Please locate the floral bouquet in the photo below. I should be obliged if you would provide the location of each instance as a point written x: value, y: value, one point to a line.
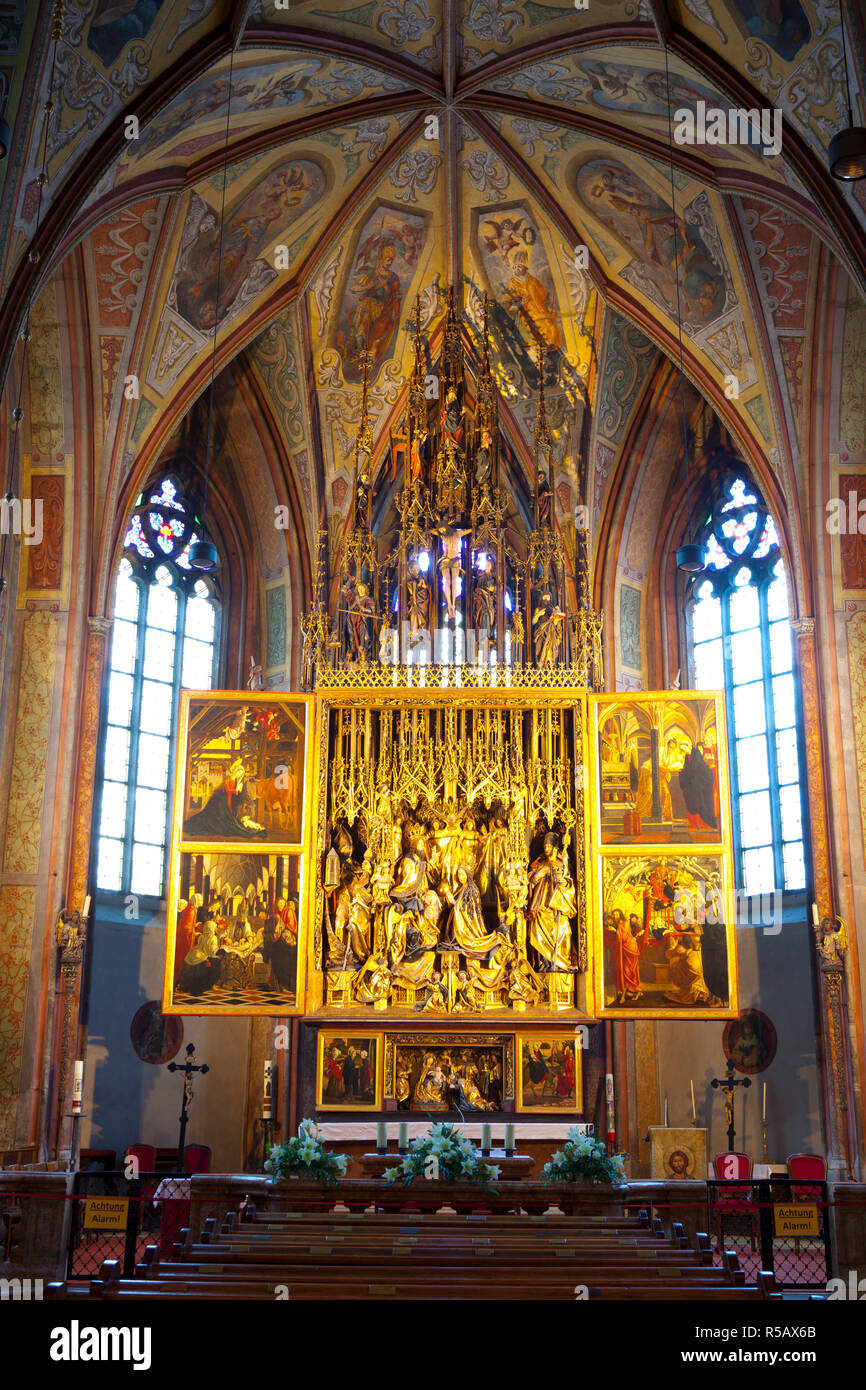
x: 584, y: 1159
x: 305, y: 1153
x: 444, y: 1155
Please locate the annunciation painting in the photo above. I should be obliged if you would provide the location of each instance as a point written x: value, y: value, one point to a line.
x: 233, y: 933
x: 441, y: 1072
x: 348, y: 1072
x: 666, y: 945
x: 242, y: 770
x: 662, y: 770
x: 548, y: 1073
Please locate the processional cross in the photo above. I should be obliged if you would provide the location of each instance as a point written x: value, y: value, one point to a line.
x: 729, y: 1085
x: 188, y: 1068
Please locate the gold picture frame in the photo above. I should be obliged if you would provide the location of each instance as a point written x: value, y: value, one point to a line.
x: 247, y: 956
x: 552, y: 1062
x: 660, y: 808
x: 334, y: 1091
x: 666, y: 935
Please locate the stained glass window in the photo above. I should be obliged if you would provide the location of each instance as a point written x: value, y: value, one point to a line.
x: 740, y: 641
x: 164, y: 636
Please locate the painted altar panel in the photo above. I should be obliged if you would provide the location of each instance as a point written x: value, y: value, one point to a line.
x: 664, y: 908
x: 661, y: 768
x: 348, y: 1070
x: 237, y: 898
x: 549, y: 1073
x: 244, y: 761
x: 665, y: 935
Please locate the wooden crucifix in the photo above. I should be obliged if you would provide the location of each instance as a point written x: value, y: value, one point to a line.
x: 729, y: 1085
x: 188, y: 1068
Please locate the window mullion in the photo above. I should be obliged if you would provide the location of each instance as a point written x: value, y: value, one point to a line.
x: 733, y: 770
x: 134, y: 733
x: 772, y: 763
x: 177, y: 676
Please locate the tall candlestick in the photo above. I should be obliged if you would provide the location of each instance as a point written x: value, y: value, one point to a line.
x: 77, y: 1087
x: 694, y: 1111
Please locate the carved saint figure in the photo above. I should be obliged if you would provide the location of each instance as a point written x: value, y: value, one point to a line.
x: 547, y: 621
x: 465, y: 922
x: 551, y: 907
x: 360, y: 606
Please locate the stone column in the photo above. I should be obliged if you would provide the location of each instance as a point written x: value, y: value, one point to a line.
x: 72, y: 955
x: 832, y: 999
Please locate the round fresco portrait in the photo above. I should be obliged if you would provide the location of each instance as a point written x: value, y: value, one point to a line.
x: 155, y: 1036
x: 750, y: 1042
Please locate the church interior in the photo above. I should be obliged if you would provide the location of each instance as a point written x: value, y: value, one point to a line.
x: 433, y: 640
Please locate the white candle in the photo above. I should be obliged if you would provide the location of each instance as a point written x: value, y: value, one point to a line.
x: 86, y: 909
x: 403, y: 1136
x: 666, y: 1112
x: 266, y: 1099
x: 509, y: 1138
x: 77, y: 1087
x: 764, y: 1111
x: 381, y: 1136
x: 486, y: 1133
x: 694, y: 1111
x: 815, y: 922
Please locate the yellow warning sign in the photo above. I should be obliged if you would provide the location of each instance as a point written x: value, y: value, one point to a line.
x: 105, y: 1213
x: 796, y: 1218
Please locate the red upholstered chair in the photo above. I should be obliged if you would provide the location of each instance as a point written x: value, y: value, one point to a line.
x: 738, y: 1201
x: 808, y: 1166
x: 145, y: 1155
x: 812, y: 1166
x: 196, y: 1158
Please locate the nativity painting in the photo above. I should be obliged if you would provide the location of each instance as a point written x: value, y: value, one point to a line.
x: 243, y: 770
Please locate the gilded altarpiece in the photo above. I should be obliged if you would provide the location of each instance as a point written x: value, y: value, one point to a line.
x: 451, y: 842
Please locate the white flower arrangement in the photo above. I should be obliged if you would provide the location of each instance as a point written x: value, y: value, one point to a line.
x: 584, y: 1159
x: 305, y: 1152
x: 444, y: 1155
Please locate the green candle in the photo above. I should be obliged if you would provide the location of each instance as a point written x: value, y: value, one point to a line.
x: 486, y: 1132
x: 381, y: 1136
x: 403, y: 1136
x: 509, y: 1138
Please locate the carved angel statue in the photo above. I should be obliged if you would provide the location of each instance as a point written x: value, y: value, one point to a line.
x: 832, y: 941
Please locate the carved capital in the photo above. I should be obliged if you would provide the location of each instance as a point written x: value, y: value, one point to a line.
x: 803, y: 627
x: 100, y: 627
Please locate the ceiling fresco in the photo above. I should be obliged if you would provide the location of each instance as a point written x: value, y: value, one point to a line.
x: 378, y: 155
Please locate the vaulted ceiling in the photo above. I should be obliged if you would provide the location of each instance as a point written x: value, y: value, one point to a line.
x: 380, y: 152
